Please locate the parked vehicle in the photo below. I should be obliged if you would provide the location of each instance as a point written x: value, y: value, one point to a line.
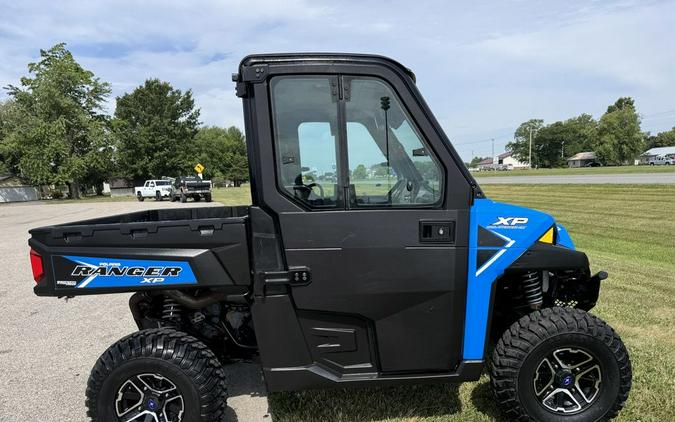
x: 661, y: 160
x: 158, y: 189
x: 350, y: 283
x: 594, y: 164
x: 185, y: 187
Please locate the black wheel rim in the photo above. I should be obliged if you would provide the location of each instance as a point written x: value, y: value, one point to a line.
x: 149, y: 398
x: 567, y: 381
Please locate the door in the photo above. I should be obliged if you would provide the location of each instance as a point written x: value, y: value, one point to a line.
x: 372, y: 222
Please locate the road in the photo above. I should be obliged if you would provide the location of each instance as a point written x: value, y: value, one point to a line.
x: 637, y: 178
x: 48, y: 346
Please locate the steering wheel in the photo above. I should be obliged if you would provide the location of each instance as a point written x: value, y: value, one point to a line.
x: 305, y: 190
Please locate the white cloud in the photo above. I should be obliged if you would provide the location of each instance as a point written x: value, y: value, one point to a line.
x: 484, y: 67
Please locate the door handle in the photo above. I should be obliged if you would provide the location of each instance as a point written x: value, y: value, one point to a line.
x: 437, y: 231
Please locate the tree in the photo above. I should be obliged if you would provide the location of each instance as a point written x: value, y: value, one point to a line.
x: 620, y: 139
x: 8, y: 156
x: 222, y: 152
x: 621, y: 103
x: 549, y: 144
x: 520, y: 146
x: 56, y: 131
x: 582, y: 134
x: 359, y: 172
x: 475, y: 160
x: 553, y: 143
x: 662, y: 139
x: 155, y: 126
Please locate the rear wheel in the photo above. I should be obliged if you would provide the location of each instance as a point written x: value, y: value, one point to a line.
x: 560, y: 364
x: 197, y: 198
x: 207, y: 197
x: 157, y: 375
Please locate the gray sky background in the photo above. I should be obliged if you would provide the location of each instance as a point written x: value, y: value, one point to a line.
x: 483, y: 67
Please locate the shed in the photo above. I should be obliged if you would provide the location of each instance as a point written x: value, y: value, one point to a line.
x: 14, y: 188
x: 582, y: 159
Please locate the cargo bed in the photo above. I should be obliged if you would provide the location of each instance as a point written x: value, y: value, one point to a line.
x: 155, y: 249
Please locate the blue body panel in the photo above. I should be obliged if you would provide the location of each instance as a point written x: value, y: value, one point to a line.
x: 519, y: 228
x: 97, y: 272
x: 563, y: 237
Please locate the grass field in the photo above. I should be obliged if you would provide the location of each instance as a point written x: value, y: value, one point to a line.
x: 573, y: 171
x: 628, y: 231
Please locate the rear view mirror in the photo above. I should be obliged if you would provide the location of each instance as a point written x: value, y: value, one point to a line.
x: 419, y: 152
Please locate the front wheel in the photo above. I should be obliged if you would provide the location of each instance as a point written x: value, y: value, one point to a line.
x: 560, y: 364
x: 139, y: 197
x: 207, y: 197
x: 157, y: 375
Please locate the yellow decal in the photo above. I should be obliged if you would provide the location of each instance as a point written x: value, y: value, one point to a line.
x: 547, y: 237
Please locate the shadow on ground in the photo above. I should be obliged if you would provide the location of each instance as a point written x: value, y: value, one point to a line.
x: 366, y: 404
x: 483, y: 399
x: 247, y: 395
x: 249, y: 401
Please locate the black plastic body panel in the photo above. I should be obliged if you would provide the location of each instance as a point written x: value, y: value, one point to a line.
x: 544, y: 256
x: 213, y: 240
x: 317, y: 377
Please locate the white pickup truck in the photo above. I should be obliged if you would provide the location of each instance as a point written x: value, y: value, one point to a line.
x: 661, y: 160
x: 158, y: 189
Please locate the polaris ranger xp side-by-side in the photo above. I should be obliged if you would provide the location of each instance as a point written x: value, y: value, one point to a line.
x: 369, y: 257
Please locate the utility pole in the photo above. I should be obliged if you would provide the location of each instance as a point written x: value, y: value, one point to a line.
x: 530, y: 156
x: 493, y: 150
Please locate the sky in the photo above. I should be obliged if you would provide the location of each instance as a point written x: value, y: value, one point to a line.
x: 483, y: 67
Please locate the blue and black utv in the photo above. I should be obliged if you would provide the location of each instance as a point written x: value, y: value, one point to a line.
x: 369, y: 257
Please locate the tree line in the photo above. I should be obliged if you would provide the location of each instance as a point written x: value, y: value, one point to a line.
x: 54, y: 130
x: 616, y: 138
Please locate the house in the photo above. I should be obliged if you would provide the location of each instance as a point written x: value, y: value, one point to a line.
x: 509, y: 162
x: 656, y: 152
x: 487, y: 164
x: 16, y: 189
x: 582, y: 159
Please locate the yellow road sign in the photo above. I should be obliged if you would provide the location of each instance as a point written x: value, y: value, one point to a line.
x: 199, y: 168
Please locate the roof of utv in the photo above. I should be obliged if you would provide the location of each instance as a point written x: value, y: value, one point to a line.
x: 346, y: 58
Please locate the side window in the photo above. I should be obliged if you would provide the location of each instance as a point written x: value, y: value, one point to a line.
x: 151, y: 185
x: 305, y: 122
x: 389, y: 162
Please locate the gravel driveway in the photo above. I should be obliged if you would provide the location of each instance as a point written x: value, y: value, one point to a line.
x: 48, y: 345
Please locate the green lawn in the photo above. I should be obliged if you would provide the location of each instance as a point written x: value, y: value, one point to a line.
x: 233, y: 196
x: 628, y: 231
x: 583, y: 170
